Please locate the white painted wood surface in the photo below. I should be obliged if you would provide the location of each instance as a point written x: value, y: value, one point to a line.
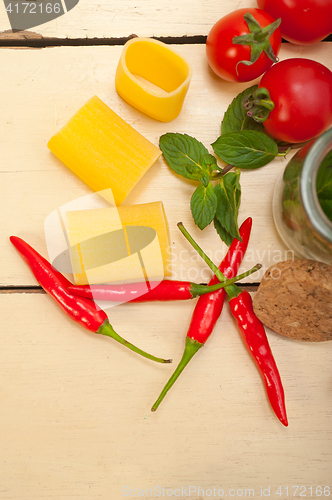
x: 117, y: 19
x: 45, y: 87
x: 75, y: 421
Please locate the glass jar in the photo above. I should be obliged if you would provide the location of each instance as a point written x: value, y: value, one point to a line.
x: 297, y: 213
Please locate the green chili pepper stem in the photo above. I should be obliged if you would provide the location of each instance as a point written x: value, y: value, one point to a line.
x: 197, y: 290
x: 192, y: 346
x: 107, y: 329
x: 258, y: 39
x: 201, y: 252
x: 231, y: 290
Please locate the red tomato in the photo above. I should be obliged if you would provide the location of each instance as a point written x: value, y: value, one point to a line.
x: 301, y: 90
x: 302, y: 21
x: 223, y: 55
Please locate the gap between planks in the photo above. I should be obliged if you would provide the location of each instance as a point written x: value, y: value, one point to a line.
x: 30, y: 39
x: 250, y: 287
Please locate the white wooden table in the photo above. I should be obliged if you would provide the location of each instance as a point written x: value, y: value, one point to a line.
x: 75, y: 420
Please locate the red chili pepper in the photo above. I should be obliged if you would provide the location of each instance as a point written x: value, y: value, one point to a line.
x: 165, y: 290
x: 254, y: 336
x: 81, y: 310
x: 137, y: 292
x: 209, y: 307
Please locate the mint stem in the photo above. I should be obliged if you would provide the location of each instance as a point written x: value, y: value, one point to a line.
x: 286, y: 147
x: 221, y: 173
x: 226, y: 169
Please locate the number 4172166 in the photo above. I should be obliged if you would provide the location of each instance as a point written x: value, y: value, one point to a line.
x: 33, y: 8
x: 304, y: 491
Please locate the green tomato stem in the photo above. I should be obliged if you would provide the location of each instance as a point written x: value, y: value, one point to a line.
x: 259, y: 104
x: 258, y: 39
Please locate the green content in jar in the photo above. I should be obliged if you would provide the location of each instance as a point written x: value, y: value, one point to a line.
x: 324, y: 185
x: 302, y: 201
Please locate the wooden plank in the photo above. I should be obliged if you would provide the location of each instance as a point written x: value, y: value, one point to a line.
x: 115, y: 19
x: 76, y: 420
x: 45, y: 87
x: 41, y: 89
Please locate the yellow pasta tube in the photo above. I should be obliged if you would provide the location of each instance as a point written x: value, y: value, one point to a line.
x: 118, y: 244
x: 104, y: 150
x: 153, y: 78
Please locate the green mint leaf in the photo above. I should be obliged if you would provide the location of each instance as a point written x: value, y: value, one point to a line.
x: 324, y: 185
x: 203, y: 205
x: 292, y: 172
x: 291, y: 214
x: 209, y: 163
x: 233, y: 178
x: 324, y: 179
x: 182, y: 152
x: 327, y: 208
x: 236, y: 118
x: 224, y: 235
x: 246, y: 149
x: 205, y: 179
x: 228, y: 194
x: 193, y: 171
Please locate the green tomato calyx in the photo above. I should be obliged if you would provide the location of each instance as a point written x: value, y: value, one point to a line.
x: 258, y: 38
x: 258, y: 105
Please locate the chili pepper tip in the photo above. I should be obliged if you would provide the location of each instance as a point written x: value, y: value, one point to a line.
x: 191, y: 347
x: 284, y: 421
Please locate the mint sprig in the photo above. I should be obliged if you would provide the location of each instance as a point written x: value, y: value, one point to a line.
x: 242, y: 145
x: 188, y: 157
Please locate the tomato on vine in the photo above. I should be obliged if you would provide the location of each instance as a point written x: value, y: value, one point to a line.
x: 242, y: 45
x: 293, y: 100
x: 302, y: 21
